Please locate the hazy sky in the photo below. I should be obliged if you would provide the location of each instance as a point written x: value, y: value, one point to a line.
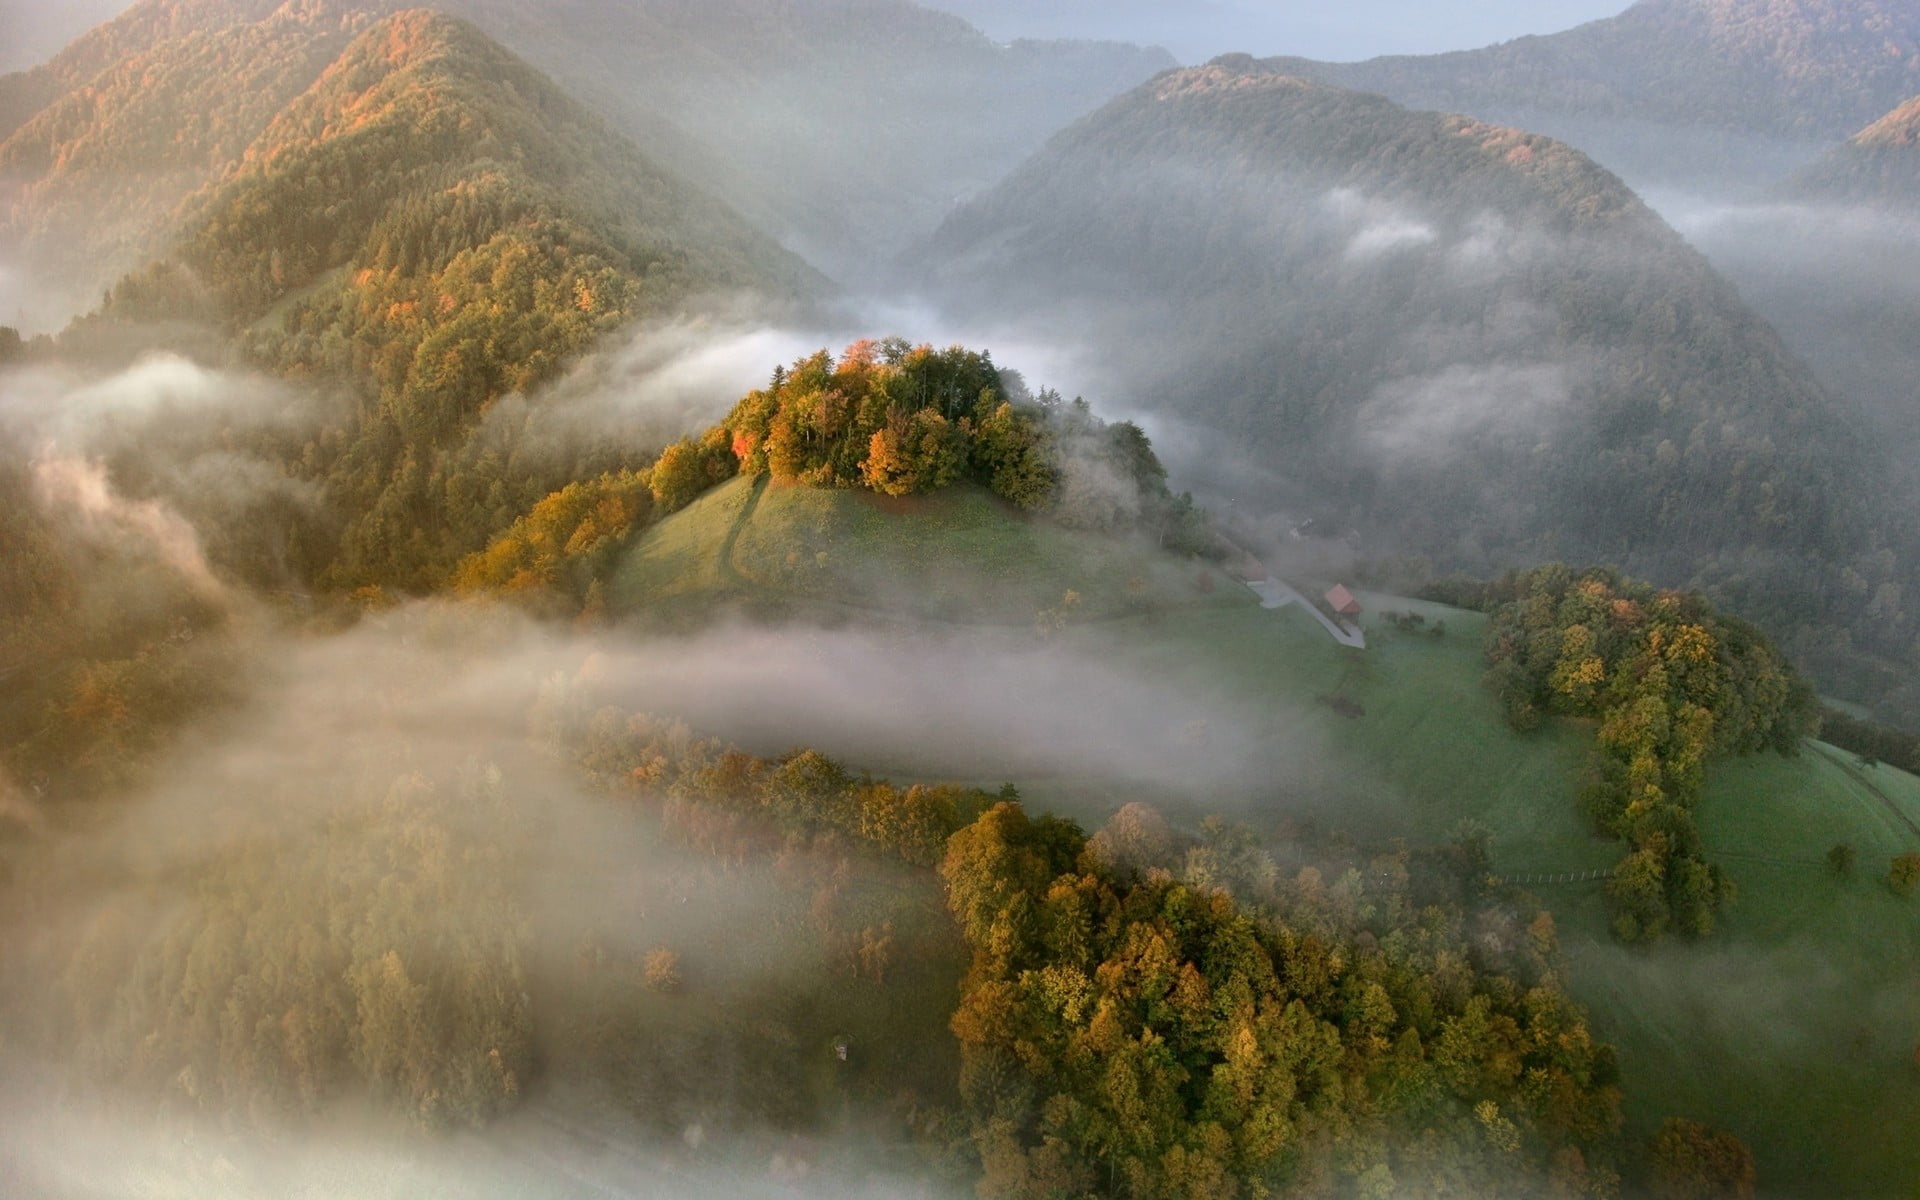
x: 1196, y: 30
x: 31, y: 30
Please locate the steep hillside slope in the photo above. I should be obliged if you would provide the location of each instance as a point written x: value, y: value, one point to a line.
x: 1376, y: 296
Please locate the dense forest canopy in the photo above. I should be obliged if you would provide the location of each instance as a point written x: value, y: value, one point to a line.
x: 1150, y: 1015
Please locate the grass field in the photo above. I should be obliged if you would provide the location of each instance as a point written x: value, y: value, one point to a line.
x: 769, y: 548
x: 1795, y: 1026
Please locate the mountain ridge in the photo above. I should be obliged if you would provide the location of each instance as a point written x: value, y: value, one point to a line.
x: 1463, y: 340
x: 101, y: 175
x: 899, y: 108
x: 1828, y: 66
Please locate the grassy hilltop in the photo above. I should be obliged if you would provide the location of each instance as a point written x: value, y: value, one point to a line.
x: 959, y: 554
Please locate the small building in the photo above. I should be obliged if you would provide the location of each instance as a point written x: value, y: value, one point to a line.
x: 1342, y: 601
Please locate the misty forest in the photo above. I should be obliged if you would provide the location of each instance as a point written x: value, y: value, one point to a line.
x: 955, y: 598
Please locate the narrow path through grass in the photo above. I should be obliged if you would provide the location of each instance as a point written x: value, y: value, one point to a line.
x: 1839, y: 759
x: 728, y: 571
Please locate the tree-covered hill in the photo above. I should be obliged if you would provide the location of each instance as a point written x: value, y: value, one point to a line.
x: 847, y: 445
x: 1464, y: 341
x: 435, y: 225
x: 1880, y: 165
x: 1626, y: 88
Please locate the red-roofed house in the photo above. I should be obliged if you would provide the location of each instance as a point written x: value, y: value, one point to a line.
x: 1342, y: 601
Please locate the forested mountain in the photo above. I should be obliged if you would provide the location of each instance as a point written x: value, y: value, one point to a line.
x: 1880, y: 165
x: 1467, y: 341
x: 844, y: 127
x: 436, y: 225
x: 1676, y: 90
x: 427, y: 227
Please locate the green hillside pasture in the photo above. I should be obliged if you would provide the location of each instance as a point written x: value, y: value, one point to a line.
x: 1796, y: 1025
x: 958, y: 555
x: 1399, y: 740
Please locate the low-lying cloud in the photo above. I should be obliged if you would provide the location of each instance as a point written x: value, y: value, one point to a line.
x: 78, y: 489
x: 1434, y: 418
x: 82, y: 412
x: 1374, y: 228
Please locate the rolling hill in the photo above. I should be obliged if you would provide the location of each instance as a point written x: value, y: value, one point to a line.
x: 1462, y: 340
x: 1683, y: 92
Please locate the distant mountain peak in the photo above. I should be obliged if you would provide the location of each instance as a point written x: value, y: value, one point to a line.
x: 1238, y: 94
x: 1658, y: 89
x: 1877, y: 167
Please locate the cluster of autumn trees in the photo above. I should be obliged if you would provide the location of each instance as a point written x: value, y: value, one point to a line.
x: 1155, y: 1016
x: 899, y: 419
x: 566, y: 545
x: 1673, y: 685
x: 896, y: 419
x: 733, y: 804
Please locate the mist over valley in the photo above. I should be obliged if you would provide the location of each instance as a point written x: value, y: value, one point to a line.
x: 870, y: 598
